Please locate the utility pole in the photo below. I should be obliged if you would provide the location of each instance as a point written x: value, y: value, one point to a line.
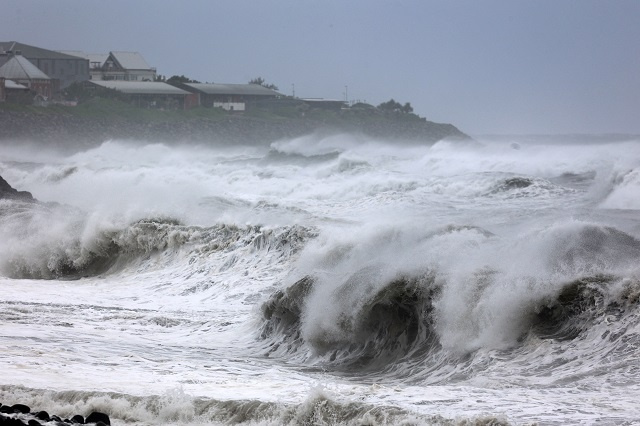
x: 346, y: 94
x: 293, y: 90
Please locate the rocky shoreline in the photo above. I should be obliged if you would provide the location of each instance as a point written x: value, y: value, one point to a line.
x: 60, y: 128
x: 21, y: 415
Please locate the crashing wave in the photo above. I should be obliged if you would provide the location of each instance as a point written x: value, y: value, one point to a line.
x: 371, y: 321
x: 384, y: 325
x: 50, y: 248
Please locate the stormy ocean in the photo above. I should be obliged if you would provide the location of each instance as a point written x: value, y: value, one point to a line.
x: 325, y: 280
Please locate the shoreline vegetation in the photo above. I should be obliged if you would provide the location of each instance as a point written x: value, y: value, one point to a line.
x: 99, y: 119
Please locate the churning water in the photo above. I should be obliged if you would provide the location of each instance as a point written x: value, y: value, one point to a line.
x: 325, y: 281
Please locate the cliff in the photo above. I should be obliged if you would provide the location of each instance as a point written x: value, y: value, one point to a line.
x: 8, y: 192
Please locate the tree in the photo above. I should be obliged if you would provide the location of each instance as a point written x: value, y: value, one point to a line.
x: 261, y: 81
x: 390, y: 105
x: 394, y: 106
x: 180, y: 79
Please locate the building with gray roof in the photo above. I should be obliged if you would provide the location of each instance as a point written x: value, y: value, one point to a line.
x: 116, y: 65
x: 141, y: 87
x: 232, y: 97
x: 20, y: 70
x: 148, y: 93
x: 60, y: 66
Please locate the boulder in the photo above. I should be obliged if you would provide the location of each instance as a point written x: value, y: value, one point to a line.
x: 77, y: 419
x: 20, y: 408
x: 43, y: 415
x: 96, y: 417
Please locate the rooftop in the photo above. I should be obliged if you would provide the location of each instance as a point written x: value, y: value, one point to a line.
x: 19, y: 68
x: 233, y: 89
x: 32, y: 52
x: 130, y: 60
x: 140, y: 87
x: 9, y: 84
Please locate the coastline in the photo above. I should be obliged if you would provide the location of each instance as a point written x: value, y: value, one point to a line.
x: 103, y: 120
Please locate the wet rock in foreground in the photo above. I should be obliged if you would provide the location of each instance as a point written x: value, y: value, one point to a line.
x: 21, y: 415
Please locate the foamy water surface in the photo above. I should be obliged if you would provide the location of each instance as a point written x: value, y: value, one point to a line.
x: 324, y: 281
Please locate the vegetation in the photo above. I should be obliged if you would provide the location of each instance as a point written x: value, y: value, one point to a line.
x: 261, y: 81
x: 80, y: 93
x: 180, y: 79
x: 394, y: 106
x: 101, y: 118
x: 175, y: 79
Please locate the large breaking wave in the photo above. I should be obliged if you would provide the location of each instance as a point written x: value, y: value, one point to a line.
x: 54, y: 241
x: 398, y: 301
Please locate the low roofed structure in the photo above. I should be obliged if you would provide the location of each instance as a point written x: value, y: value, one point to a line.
x: 232, y: 97
x: 141, y: 88
x: 150, y: 94
x: 322, y: 103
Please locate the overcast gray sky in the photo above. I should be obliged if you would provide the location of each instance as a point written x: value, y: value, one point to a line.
x: 496, y: 66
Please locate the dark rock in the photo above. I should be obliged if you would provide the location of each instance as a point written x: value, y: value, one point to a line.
x: 10, y: 421
x: 517, y: 182
x: 43, y: 415
x: 6, y: 191
x: 34, y: 422
x: 20, y: 408
x: 77, y: 419
x: 97, y: 417
x: 6, y: 409
x: 55, y: 418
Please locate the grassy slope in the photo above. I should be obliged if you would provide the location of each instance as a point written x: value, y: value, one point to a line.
x: 112, y: 118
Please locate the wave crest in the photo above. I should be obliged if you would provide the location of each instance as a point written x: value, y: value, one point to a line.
x: 56, y: 243
x: 386, y: 324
